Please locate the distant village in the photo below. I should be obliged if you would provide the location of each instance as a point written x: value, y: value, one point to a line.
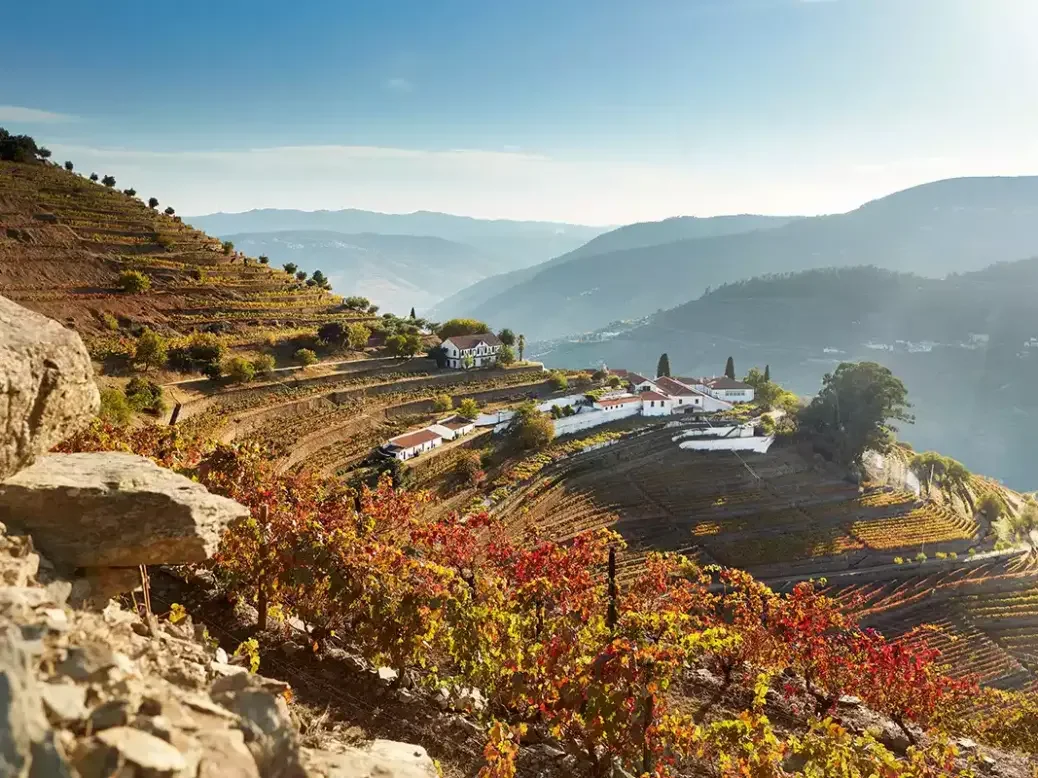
x: 631, y: 395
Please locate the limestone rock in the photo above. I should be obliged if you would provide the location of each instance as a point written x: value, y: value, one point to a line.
x: 115, y: 510
x: 143, y: 750
x: 265, y: 721
x: 378, y: 759
x: 46, y: 382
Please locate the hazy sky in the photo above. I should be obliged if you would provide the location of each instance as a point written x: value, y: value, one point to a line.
x: 594, y: 111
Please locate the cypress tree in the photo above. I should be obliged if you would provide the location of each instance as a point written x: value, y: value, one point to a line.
x: 663, y: 366
x: 412, y: 313
x: 767, y: 373
x: 729, y: 368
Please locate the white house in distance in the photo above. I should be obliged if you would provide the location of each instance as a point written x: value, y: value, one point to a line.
x: 452, y: 427
x: 482, y: 349
x: 411, y: 444
x: 721, y: 387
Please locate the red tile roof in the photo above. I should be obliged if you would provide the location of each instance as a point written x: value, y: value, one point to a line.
x: 634, y: 378
x: 673, y: 386
x: 412, y: 439
x: 455, y: 423
x: 724, y: 382
x: 471, y: 341
x: 619, y: 401
x: 654, y: 396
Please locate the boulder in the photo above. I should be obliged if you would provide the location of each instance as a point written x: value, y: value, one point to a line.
x: 378, y: 759
x: 46, y: 383
x: 115, y: 510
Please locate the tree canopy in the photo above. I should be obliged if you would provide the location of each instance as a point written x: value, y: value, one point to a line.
x: 506, y: 336
x: 20, y: 148
x: 855, y: 410
x: 663, y: 366
x: 461, y: 327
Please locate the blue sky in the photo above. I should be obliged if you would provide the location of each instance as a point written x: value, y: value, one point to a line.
x: 595, y: 111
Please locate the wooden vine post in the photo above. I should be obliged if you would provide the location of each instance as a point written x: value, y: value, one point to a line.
x: 261, y: 595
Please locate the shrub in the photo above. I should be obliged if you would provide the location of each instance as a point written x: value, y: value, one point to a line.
x: 130, y: 192
x: 507, y: 337
x: 263, y: 364
x: 69, y: 166
x: 264, y: 260
x: 940, y: 555
x: 165, y: 241
x: 442, y: 403
x: 301, y: 275
x: 614, y: 381
x: 206, y: 347
x: 134, y: 282
x: 332, y: 333
x: 953, y: 555
x: 468, y: 408
x: 239, y: 370
x: 228, y: 247
x: 920, y: 557
x: 198, y: 274
x: 506, y: 356
x: 535, y: 431
x: 291, y: 268
x: 153, y: 202
x: 212, y: 371
x: 461, y: 327
x: 110, y: 321
x: 114, y: 407
x: 468, y: 468
x: 358, y: 336
x: 144, y: 395
x: 108, y: 181
x: 558, y: 380
x: 767, y: 425
x: 899, y: 560
x: 151, y: 350
x: 599, y: 375
x: 992, y: 506
x: 93, y: 177
x: 356, y: 303
x: 403, y: 345
x: 972, y: 552
x: 169, y: 212
x: 305, y: 357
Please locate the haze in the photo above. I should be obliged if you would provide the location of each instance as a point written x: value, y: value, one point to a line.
x: 594, y: 112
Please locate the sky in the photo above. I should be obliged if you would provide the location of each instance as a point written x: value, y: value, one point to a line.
x: 586, y: 111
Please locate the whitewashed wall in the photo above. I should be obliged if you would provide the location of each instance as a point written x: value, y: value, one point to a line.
x: 756, y: 445
x: 589, y: 419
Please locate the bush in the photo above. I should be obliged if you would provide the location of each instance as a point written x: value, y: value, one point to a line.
x: 940, y: 555
x: 507, y: 337
x: 358, y: 336
x: 301, y: 275
x: 899, y: 560
x: 144, y: 395
x: 198, y: 274
x: 442, y: 403
x: 992, y: 506
x: 506, y: 356
x: 920, y: 557
x: 468, y: 408
x: 153, y: 202
x: 114, y: 407
x: 151, y: 350
x: 333, y: 333
x: 558, y: 380
x: 165, y: 241
x: 134, y: 282
x: 461, y: 327
x: 69, y: 166
x: 468, y: 468
x: 614, y: 381
x: 599, y: 375
x: 356, y: 303
x: 108, y: 181
x: 305, y: 357
x: 130, y: 192
x: 264, y: 260
x: 110, y: 321
x: 767, y: 425
x: 239, y: 370
x: 403, y: 345
x: 291, y: 268
x: 228, y: 247
x: 93, y: 177
x: 212, y: 371
x: 535, y: 431
x: 169, y: 211
x: 263, y: 364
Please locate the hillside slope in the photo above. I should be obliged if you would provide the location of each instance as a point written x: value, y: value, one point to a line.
x: 945, y: 227
x: 631, y: 236
x: 64, y: 241
x: 518, y: 244
x: 397, y: 271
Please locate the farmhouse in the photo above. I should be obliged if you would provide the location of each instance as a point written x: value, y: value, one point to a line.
x: 464, y: 351
x: 453, y: 427
x: 412, y: 444
x: 689, y: 399
x: 722, y: 387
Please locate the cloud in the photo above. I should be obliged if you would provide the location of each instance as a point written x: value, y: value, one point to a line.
x: 399, y: 85
x: 17, y: 113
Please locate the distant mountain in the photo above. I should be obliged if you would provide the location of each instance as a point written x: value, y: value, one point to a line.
x: 394, y: 271
x: 517, y: 244
x: 935, y: 229
x: 632, y: 236
x: 965, y: 346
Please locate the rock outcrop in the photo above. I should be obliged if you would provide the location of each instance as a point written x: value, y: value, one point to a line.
x: 47, y: 391
x: 109, y: 509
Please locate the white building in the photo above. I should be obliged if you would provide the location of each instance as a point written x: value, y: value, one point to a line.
x: 656, y: 404
x: 721, y: 387
x: 453, y: 427
x: 471, y: 350
x: 412, y: 444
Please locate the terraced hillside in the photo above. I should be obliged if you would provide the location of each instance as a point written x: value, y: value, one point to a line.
x: 64, y: 241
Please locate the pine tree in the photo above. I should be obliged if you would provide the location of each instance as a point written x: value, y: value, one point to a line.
x: 729, y: 368
x: 663, y: 366
x: 767, y: 373
x: 412, y: 313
